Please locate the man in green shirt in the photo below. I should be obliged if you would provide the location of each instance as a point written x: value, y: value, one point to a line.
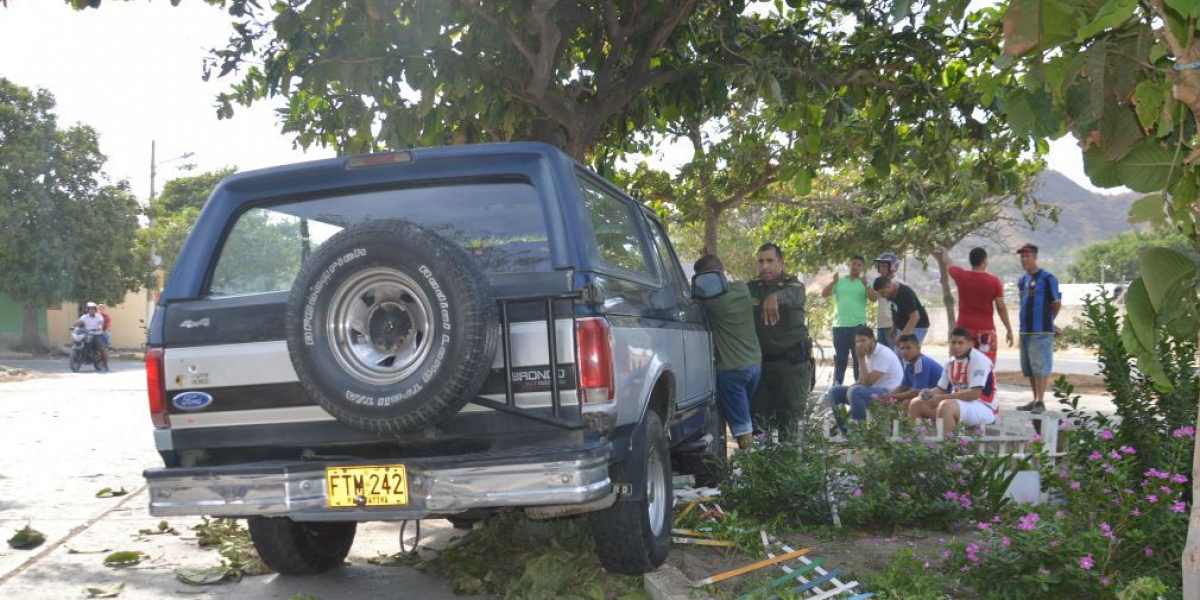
x: 850, y: 296
x: 780, y: 322
x: 731, y: 319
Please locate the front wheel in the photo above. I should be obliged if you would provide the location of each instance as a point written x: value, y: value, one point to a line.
x: 633, y: 537
x: 301, y: 548
x: 76, y: 360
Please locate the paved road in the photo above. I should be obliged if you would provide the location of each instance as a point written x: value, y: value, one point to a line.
x: 66, y: 436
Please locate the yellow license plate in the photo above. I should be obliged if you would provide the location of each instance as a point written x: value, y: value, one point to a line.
x: 366, y: 486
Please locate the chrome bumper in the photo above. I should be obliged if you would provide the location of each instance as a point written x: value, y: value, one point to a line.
x: 436, y: 486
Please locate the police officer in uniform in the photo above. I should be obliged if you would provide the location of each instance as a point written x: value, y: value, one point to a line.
x: 781, y: 324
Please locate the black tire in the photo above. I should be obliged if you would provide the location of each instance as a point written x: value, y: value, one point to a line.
x: 629, y: 539
x: 712, y: 467
x: 76, y: 361
x: 301, y: 548
x: 391, y: 327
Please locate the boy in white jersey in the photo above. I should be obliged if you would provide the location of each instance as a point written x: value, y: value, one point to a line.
x: 966, y: 392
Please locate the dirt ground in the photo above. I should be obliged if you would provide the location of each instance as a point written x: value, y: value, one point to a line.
x: 1084, y: 384
x: 858, y: 554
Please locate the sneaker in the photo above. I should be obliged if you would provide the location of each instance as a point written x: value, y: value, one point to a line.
x: 1033, y: 407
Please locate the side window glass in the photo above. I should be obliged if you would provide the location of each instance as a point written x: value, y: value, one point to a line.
x: 670, y: 266
x: 618, y: 242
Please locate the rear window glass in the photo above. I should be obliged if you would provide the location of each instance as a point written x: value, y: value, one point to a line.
x: 501, y: 224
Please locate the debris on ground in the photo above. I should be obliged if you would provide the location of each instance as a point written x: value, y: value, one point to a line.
x: 109, y: 590
x: 125, y: 558
x: 27, y: 538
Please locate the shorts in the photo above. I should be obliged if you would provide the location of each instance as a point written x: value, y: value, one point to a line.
x: 985, y: 342
x: 974, y: 413
x: 1037, y: 354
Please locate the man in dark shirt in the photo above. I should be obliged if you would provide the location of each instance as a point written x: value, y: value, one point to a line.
x: 908, y: 315
x: 739, y: 357
x: 1040, y: 303
x: 780, y: 321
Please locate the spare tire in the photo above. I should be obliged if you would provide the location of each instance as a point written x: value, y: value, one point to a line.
x: 391, y: 327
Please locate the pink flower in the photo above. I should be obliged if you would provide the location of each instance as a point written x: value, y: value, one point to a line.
x: 946, y: 553
x: 1135, y: 512
x: 1095, y: 455
x: 1086, y: 562
x: 1076, y: 485
x: 1179, y: 507
x: 1148, y: 551
x: 1104, y: 581
x: 1043, y: 571
x: 983, y: 526
x: 1055, y: 543
x: 1151, y: 498
x: 857, y: 492
x: 965, y: 501
x: 1128, y: 450
x: 1179, y: 478
x: 1184, y: 432
x: 1035, y: 438
x: 1029, y: 522
x: 1107, y: 434
x: 1107, y: 529
x: 1164, y: 489
x: 1114, y: 455
x: 1005, y: 541
x: 950, y: 495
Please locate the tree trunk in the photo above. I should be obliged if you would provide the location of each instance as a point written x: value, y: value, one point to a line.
x: 1191, y: 549
x: 711, y: 221
x: 947, y: 295
x: 31, y: 339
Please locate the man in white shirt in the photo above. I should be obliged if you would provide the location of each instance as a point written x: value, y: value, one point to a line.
x: 966, y: 392
x: 879, y: 371
x: 93, y: 322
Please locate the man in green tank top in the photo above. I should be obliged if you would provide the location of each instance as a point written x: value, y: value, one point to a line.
x: 850, y: 295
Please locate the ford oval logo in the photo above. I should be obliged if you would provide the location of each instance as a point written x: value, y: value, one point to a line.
x: 192, y: 400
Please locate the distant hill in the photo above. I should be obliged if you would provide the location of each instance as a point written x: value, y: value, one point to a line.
x: 1085, y: 217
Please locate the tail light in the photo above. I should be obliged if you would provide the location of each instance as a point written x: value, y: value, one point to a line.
x: 156, y: 388
x: 595, y: 360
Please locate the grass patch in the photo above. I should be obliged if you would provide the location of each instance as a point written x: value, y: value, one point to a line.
x: 517, y: 558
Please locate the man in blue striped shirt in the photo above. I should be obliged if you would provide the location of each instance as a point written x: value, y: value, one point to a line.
x: 1040, y: 303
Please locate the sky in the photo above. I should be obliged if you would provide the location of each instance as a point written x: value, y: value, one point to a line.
x: 132, y: 70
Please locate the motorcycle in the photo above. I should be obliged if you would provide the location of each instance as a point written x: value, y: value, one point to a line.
x: 83, y: 350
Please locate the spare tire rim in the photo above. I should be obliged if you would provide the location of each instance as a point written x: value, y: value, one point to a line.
x: 380, y: 326
x: 655, y: 492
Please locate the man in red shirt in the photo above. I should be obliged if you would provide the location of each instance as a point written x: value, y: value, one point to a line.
x: 978, y: 292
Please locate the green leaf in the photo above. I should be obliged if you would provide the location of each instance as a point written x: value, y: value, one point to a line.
x: 900, y: 10
x: 110, y: 493
x: 1119, y: 132
x: 1162, y: 268
x: 1031, y: 114
x: 1147, y: 209
x: 111, y: 590
x: 1022, y: 26
x: 1179, y: 310
x: 1139, y: 313
x: 1059, y: 22
x: 26, y: 538
x: 1112, y: 14
x: 1187, y: 8
x: 802, y: 185
x: 203, y: 576
x: 1149, y: 99
x: 1147, y: 360
x: 125, y: 558
x: 1101, y: 171
x: 1148, y: 167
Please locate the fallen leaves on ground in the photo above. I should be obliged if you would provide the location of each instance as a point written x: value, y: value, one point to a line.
x: 125, y: 558
x: 27, y: 538
x: 99, y: 590
x: 111, y: 493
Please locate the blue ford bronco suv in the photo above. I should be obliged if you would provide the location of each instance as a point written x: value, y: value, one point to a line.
x: 434, y: 333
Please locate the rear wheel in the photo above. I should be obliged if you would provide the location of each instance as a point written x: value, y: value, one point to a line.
x: 633, y: 537
x: 301, y: 548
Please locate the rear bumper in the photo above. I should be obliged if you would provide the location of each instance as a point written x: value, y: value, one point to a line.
x: 537, y: 476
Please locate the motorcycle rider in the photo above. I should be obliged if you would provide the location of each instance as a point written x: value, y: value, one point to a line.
x: 93, y: 322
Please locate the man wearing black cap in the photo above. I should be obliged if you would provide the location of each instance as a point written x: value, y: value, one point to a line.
x: 1040, y: 303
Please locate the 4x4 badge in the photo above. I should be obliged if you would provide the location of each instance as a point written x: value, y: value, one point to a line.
x: 190, y: 324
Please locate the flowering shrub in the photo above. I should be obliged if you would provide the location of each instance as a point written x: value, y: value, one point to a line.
x: 1117, y: 522
x: 918, y: 482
